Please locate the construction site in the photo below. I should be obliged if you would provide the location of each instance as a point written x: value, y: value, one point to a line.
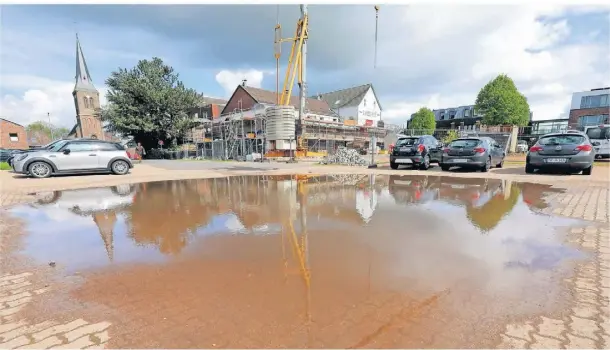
x: 257, y: 123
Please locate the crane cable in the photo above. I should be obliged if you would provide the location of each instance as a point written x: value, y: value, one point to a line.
x: 376, y: 28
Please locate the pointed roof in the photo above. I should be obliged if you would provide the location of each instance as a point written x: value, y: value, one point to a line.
x: 83, y: 78
x: 349, y: 97
x: 105, y: 222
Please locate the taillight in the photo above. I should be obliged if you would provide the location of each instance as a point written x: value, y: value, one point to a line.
x: 479, y: 150
x: 535, y: 149
x: 584, y: 148
x: 446, y: 150
x: 420, y: 148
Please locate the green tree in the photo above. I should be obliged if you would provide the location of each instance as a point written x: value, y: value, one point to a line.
x: 501, y: 103
x: 148, y: 102
x: 423, y: 120
x: 42, y: 132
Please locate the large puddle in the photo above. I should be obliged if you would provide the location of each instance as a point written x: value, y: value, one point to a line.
x: 308, y: 261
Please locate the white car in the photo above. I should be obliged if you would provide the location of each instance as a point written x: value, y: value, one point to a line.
x: 522, y: 146
x: 76, y: 156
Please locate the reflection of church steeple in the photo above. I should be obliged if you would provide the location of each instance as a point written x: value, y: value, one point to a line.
x: 105, y: 221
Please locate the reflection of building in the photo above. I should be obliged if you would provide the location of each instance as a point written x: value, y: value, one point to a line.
x: 589, y: 108
x: 105, y: 221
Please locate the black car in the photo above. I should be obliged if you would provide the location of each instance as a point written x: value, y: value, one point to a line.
x: 417, y: 151
x: 477, y: 153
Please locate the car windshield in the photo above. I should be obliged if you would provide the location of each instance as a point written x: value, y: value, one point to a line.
x: 465, y: 143
x: 562, y: 140
x: 407, y: 142
x: 56, y: 146
x: 599, y: 133
x: 522, y: 142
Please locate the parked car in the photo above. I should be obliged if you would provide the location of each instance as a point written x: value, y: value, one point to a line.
x: 564, y: 151
x: 522, y: 146
x: 473, y: 153
x: 13, y: 153
x: 600, y: 139
x: 74, y: 157
x: 417, y: 151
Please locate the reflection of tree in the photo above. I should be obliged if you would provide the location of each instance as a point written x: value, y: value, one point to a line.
x: 487, y: 216
x: 165, y: 214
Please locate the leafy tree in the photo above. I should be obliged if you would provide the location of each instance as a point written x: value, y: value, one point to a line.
x: 42, y: 132
x: 423, y: 120
x: 501, y: 103
x: 451, y: 135
x: 148, y: 102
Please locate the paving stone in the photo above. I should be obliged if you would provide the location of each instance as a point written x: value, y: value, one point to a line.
x: 58, y: 329
x: 575, y: 342
x: 10, y: 287
x: 585, y: 310
x: 25, y: 330
x: 14, y: 343
x: 519, y: 331
x: 10, y: 311
x: 46, y: 343
x: 18, y: 302
x: 15, y: 297
x: 585, y: 284
x: 541, y: 342
x: 551, y: 327
x: 583, y: 327
x: 79, y: 343
x: 511, y: 343
x: 12, y: 278
x: 88, y: 329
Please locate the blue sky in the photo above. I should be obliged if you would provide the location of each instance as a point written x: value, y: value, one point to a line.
x: 428, y: 55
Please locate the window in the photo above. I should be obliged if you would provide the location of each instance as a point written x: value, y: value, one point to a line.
x: 374, y: 103
x: 587, y: 120
x: 598, y: 133
x: 466, y: 113
x: 364, y: 102
x: 594, y: 101
x: 561, y: 140
x: 14, y: 137
x: 107, y: 146
x: 85, y: 102
x: 464, y: 143
x: 442, y: 115
x: 407, y: 141
x: 80, y: 147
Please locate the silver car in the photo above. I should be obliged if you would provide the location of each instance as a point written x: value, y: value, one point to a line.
x: 74, y: 157
x: 569, y: 151
x: 477, y: 153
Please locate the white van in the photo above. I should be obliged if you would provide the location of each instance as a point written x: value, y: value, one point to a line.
x: 600, y: 139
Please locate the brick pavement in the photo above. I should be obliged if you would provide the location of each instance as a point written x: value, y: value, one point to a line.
x: 585, y: 325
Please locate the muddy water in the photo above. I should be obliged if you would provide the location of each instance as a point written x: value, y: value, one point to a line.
x: 318, y: 261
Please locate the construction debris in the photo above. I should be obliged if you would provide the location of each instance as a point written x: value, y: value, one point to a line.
x: 345, y: 156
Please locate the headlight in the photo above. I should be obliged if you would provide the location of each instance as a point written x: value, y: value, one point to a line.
x: 22, y: 157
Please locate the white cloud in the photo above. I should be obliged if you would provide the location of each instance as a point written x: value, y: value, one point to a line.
x: 229, y: 79
x: 37, y: 96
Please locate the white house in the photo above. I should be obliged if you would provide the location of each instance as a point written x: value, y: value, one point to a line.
x: 359, y: 103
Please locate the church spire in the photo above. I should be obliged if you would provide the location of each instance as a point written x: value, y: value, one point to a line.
x: 83, y: 78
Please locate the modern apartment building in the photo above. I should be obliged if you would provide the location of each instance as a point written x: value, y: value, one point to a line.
x: 589, y: 108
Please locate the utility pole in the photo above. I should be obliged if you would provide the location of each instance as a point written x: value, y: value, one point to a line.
x: 372, y: 134
x: 50, y: 126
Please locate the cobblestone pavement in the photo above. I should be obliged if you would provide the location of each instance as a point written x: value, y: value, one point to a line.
x: 586, y: 324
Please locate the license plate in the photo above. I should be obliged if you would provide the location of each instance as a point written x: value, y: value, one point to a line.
x: 458, y: 186
x: 403, y: 161
x: 460, y: 160
x: 404, y: 149
x: 556, y: 160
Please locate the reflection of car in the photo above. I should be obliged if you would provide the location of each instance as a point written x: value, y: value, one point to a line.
x: 88, y: 200
x: 418, y: 151
x: 474, y: 153
x: 565, y: 151
x: 411, y: 189
x: 75, y: 156
x: 522, y: 146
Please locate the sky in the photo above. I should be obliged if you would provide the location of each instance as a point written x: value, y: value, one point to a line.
x: 432, y: 55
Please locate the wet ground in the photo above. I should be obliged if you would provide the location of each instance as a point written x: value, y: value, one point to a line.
x: 309, y: 261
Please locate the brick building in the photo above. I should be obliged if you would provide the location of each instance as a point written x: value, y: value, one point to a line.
x: 12, y: 135
x: 589, y: 108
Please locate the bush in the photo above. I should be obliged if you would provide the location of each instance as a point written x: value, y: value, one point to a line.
x: 451, y: 135
x: 4, y: 166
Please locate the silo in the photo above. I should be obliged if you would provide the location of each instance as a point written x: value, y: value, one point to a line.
x: 281, y: 126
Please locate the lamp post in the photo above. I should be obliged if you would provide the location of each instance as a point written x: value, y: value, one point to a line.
x: 50, y: 126
x: 373, y: 148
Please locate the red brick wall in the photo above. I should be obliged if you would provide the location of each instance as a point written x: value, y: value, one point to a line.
x: 247, y: 102
x: 577, y: 113
x: 7, y: 128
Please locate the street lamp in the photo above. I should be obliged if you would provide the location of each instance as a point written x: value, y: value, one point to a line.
x: 373, y: 147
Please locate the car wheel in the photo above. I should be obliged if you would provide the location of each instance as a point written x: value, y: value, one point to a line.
x: 588, y: 170
x: 40, y: 170
x: 425, y: 165
x: 444, y: 168
x: 487, y: 165
x: 393, y: 165
x: 529, y: 169
x: 119, y: 167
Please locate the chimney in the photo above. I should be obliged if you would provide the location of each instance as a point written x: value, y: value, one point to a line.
x: 243, y: 82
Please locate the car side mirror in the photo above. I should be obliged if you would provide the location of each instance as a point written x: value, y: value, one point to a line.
x: 67, y: 151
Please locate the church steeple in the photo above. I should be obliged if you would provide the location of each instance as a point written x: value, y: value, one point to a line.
x: 83, y: 78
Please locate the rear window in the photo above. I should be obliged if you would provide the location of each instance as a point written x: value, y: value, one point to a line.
x: 598, y: 133
x: 407, y: 142
x: 562, y: 140
x: 470, y: 143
